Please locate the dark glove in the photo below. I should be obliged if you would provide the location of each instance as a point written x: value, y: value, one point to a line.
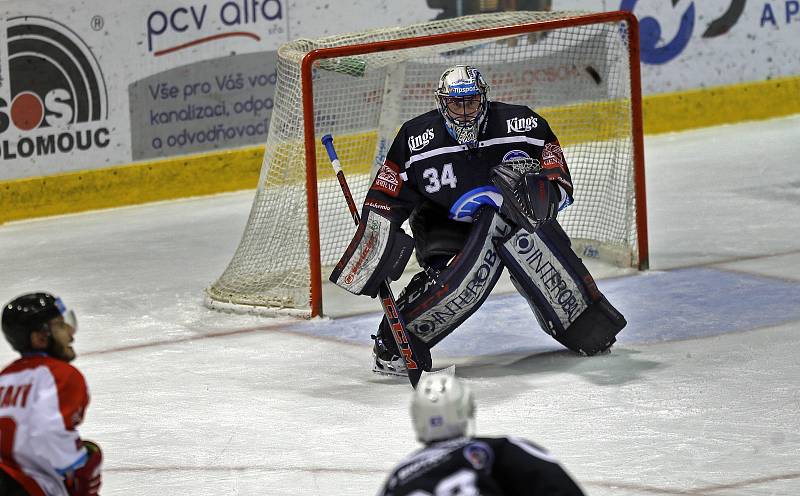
x: 86, y: 480
x: 529, y: 197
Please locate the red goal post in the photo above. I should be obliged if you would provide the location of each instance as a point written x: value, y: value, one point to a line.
x: 352, y: 59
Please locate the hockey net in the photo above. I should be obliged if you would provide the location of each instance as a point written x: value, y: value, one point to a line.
x: 578, y: 70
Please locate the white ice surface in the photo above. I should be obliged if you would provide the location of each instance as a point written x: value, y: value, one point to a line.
x: 187, y: 401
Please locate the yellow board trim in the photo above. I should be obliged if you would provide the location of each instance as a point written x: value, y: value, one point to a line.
x: 144, y: 182
x: 760, y: 100
x: 232, y: 170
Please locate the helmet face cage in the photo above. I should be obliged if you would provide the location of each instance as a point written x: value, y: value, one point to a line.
x: 462, y: 101
x: 32, y: 312
x: 442, y: 407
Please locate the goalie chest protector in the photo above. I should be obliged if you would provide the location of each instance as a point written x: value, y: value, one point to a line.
x: 434, y: 167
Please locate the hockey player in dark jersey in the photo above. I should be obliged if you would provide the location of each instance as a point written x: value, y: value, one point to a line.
x: 454, y: 462
x: 480, y: 183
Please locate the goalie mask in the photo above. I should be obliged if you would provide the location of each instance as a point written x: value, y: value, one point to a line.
x: 462, y: 101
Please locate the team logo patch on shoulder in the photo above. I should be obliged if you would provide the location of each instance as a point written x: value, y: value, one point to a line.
x: 522, y: 124
x: 388, y: 180
x: 464, y: 208
x: 417, y: 143
x: 552, y: 156
x: 515, y: 155
x: 479, y: 455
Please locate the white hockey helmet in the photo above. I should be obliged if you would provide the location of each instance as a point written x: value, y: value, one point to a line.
x: 442, y: 407
x: 462, y: 100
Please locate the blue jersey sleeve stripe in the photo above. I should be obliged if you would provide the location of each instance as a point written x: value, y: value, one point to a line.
x: 80, y: 462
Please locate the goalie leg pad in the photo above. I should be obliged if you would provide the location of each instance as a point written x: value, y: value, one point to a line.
x: 439, y: 301
x: 559, y: 289
x: 378, y: 251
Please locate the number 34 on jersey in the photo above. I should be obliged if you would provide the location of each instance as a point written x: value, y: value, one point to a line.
x: 437, y: 181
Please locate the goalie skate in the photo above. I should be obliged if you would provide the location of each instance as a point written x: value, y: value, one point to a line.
x: 385, y: 361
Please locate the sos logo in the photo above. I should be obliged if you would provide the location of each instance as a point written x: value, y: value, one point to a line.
x: 54, y: 84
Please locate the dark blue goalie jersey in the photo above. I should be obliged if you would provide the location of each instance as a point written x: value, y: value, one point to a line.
x: 480, y: 466
x: 425, y: 162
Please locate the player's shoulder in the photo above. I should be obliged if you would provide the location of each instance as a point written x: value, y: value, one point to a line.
x: 478, y: 451
x: 60, y: 368
x: 511, y: 445
x: 422, y: 122
x: 73, y: 393
x: 14, y: 366
x: 433, y: 453
x: 516, y: 116
x: 424, y: 133
x: 511, y: 109
x: 62, y: 372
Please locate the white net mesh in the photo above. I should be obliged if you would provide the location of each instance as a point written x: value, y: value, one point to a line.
x: 577, y: 77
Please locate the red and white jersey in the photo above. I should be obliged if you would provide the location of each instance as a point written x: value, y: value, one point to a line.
x: 42, y: 401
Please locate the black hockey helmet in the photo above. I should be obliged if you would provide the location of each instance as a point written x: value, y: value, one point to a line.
x: 31, y: 312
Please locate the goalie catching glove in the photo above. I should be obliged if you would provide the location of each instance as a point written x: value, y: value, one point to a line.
x: 529, y: 197
x: 379, y: 251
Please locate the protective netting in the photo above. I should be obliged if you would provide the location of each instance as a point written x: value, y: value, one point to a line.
x: 577, y: 77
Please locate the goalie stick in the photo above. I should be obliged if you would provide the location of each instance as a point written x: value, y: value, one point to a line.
x: 399, y: 332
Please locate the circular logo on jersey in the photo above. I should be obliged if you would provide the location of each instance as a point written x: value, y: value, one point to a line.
x: 464, y: 208
x: 515, y: 155
x: 479, y: 455
x: 54, y: 82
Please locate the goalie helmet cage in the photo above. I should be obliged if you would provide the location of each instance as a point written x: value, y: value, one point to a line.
x: 579, y: 70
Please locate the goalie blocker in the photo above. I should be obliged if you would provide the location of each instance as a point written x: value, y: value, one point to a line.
x: 379, y: 251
